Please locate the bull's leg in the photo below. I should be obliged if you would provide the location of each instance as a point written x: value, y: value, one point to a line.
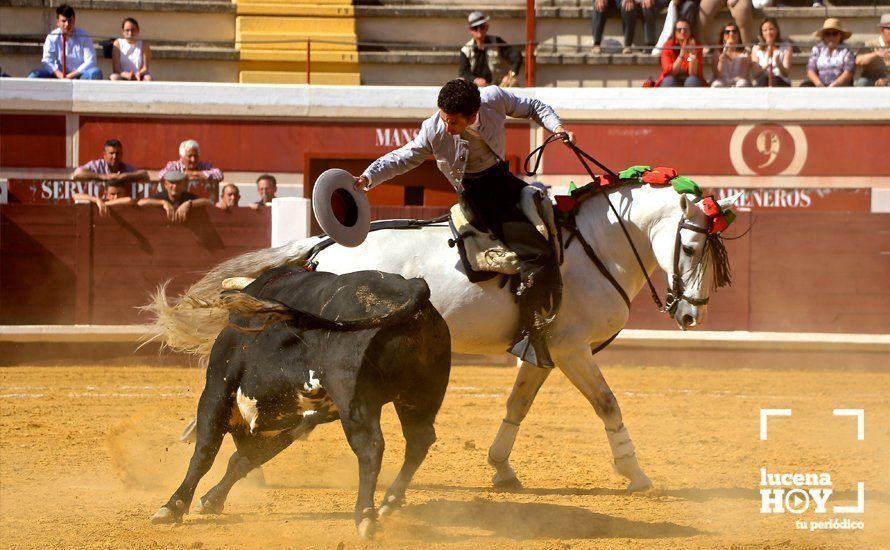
x: 214, y: 409
x: 528, y: 382
x: 253, y: 451
x: 366, y: 439
x: 584, y: 373
x: 419, y: 436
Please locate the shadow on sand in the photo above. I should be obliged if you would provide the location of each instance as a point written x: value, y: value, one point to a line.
x: 529, y: 520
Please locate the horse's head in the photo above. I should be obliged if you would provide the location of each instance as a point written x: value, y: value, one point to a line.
x: 693, y: 258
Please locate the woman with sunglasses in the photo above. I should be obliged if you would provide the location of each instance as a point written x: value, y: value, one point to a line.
x: 732, y: 63
x: 681, y: 59
x: 831, y: 62
x: 771, y: 58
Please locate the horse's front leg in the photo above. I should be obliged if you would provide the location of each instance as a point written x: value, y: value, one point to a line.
x: 584, y: 373
x: 528, y: 382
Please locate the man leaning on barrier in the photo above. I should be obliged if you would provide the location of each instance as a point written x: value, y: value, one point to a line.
x: 110, y: 167
x: 174, y: 199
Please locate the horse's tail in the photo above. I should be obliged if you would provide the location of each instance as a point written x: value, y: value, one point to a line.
x: 191, y: 322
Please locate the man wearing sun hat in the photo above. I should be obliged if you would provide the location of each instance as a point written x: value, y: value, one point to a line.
x: 831, y: 61
x: 876, y: 62
x: 486, y: 59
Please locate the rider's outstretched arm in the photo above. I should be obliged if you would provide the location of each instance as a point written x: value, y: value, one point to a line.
x: 404, y: 159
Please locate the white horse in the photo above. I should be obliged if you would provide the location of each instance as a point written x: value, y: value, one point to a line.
x: 483, y: 317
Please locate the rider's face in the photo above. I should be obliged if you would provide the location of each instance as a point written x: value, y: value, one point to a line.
x: 455, y: 123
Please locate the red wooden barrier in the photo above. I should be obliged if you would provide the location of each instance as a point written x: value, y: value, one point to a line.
x: 67, y: 265
x: 795, y: 271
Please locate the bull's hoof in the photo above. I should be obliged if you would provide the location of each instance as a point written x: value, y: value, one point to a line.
x: 165, y: 516
x: 369, y: 525
x: 507, y: 485
x: 205, y: 507
x: 390, y: 505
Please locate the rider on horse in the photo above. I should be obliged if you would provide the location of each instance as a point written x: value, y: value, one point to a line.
x: 468, y: 139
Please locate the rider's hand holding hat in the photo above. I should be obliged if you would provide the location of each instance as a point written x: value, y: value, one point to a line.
x: 361, y: 183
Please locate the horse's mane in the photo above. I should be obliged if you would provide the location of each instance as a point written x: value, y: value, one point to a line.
x: 716, y: 254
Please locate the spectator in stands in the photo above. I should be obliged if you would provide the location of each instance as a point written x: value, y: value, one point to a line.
x: 190, y: 164
x: 831, y: 62
x: 486, y: 59
x: 228, y: 199
x: 741, y: 11
x: 116, y: 192
x: 681, y: 59
x: 771, y: 58
x: 267, y: 187
x: 629, y: 9
x: 875, y: 64
x: 174, y: 199
x: 111, y: 167
x: 3, y: 74
x: 732, y: 62
x: 68, y: 51
x: 130, y: 57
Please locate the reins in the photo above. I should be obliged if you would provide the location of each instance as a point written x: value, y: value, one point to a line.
x: 583, y: 156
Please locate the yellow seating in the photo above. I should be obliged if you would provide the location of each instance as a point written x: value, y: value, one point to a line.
x: 275, y: 37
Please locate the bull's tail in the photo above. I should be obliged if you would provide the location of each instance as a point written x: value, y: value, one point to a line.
x: 191, y: 322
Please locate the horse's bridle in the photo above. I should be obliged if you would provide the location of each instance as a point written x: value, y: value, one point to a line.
x: 676, y: 292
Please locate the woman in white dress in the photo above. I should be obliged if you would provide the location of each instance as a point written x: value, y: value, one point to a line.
x: 130, y: 57
x: 732, y: 63
x: 771, y: 58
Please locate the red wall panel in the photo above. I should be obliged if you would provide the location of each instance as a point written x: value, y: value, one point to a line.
x: 32, y: 141
x: 253, y: 145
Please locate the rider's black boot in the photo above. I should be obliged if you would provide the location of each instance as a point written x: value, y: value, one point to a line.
x: 531, y: 345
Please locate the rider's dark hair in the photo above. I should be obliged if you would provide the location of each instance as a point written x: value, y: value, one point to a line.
x: 65, y: 11
x: 114, y: 143
x: 459, y: 97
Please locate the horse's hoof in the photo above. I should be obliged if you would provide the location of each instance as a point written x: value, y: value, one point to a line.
x: 640, y: 483
x: 165, y: 516
x: 509, y: 485
x: 206, y: 507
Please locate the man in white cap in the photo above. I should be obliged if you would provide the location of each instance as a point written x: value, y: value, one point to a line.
x: 486, y: 59
x: 875, y: 64
x: 468, y: 139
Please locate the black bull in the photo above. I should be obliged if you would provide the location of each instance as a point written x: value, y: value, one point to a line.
x: 307, y: 348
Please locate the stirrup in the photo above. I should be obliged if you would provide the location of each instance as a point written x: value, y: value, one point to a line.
x: 535, y: 353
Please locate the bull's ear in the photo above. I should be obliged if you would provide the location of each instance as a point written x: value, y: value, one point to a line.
x: 724, y: 204
x: 687, y: 206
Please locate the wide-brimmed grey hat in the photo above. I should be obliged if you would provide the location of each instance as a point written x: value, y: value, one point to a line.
x: 343, y: 212
x: 477, y: 18
x: 175, y: 176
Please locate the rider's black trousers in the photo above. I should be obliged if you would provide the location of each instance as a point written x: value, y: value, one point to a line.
x: 493, y: 198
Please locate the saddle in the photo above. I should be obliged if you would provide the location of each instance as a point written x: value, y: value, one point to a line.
x: 482, y: 254
x: 359, y: 300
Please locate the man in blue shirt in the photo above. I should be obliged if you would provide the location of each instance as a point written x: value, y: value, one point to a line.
x: 68, y: 51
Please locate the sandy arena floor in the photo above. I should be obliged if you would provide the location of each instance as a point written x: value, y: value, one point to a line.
x: 89, y: 454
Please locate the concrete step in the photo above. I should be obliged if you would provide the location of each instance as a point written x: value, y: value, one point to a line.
x: 257, y: 41
x: 294, y: 25
x: 281, y: 77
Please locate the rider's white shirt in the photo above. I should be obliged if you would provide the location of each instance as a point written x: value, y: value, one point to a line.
x: 451, y: 152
